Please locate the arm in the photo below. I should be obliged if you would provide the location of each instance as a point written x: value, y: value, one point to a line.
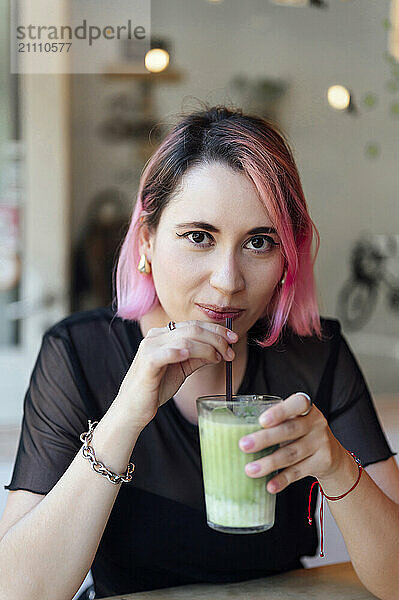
x: 367, y: 518
x: 369, y: 522
x: 46, y: 554
x: 386, y: 475
x: 72, y: 516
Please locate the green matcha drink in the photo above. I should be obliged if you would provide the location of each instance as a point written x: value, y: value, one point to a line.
x: 235, y: 502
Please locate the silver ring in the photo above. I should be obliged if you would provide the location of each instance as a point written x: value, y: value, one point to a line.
x: 310, y: 404
x: 171, y: 325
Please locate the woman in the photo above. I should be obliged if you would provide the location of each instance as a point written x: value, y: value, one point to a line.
x: 220, y: 227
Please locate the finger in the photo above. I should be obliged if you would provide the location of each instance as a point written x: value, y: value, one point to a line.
x: 289, y: 475
x: 165, y: 356
x: 292, y: 407
x: 200, y: 331
x: 289, y: 430
x: 188, y: 349
x: 228, y: 334
x: 289, y: 455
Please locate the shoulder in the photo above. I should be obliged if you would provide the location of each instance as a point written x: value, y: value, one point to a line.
x: 330, y: 327
x: 312, y: 352
x: 330, y: 336
x: 82, y: 320
x: 95, y: 328
x: 86, y: 321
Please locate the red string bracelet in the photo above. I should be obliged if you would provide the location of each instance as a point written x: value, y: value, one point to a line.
x: 323, y: 495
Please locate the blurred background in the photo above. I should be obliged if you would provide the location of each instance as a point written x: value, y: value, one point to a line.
x: 72, y: 148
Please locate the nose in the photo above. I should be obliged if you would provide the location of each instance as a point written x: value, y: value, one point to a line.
x: 227, y: 274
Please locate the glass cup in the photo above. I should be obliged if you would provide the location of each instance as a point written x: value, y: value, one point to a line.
x: 235, y: 502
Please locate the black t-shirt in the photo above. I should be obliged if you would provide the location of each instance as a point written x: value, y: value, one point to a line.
x: 157, y: 535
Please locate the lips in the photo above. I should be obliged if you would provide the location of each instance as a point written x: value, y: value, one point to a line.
x: 221, y: 309
x: 220, y: 313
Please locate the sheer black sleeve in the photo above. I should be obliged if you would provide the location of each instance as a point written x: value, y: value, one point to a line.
x: 353, y: 418
x: 54, y: 417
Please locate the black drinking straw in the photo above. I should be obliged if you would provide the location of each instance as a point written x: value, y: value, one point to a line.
x: 229, y: 392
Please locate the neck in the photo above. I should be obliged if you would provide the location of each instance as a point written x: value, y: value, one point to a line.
x: 156, y: 318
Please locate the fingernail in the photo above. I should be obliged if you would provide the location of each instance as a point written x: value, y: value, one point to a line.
x: 266, y: 419
x: 246, y: 443
x: 218, y: 356
x: 232, y: 336
x: 272, y: 487
x: 230, y: 353
x: 253, y: 468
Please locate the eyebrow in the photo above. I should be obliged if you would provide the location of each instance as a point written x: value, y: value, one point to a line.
x: 213, y: 229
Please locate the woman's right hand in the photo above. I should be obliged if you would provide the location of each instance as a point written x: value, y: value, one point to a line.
x: 165, y: 359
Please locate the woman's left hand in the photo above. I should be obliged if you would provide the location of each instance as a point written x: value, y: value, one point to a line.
x: 310, y: 447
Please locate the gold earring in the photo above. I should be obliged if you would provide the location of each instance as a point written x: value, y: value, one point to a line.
x: 284, y: 277
x: 144, y: 266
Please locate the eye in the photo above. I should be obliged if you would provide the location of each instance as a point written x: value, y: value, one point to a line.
x: 263, y: 244
x: 197, y: 237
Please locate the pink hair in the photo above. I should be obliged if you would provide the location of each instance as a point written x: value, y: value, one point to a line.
x: 250, y: 145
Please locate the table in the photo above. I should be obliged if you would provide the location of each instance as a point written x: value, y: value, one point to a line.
x: 332, y: 582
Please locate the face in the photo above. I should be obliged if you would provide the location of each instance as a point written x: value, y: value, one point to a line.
x: 214, y: 245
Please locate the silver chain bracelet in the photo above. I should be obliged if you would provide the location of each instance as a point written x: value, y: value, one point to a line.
x: 98, y: 467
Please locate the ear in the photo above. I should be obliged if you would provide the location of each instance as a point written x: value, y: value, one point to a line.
x: 145, y: 241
